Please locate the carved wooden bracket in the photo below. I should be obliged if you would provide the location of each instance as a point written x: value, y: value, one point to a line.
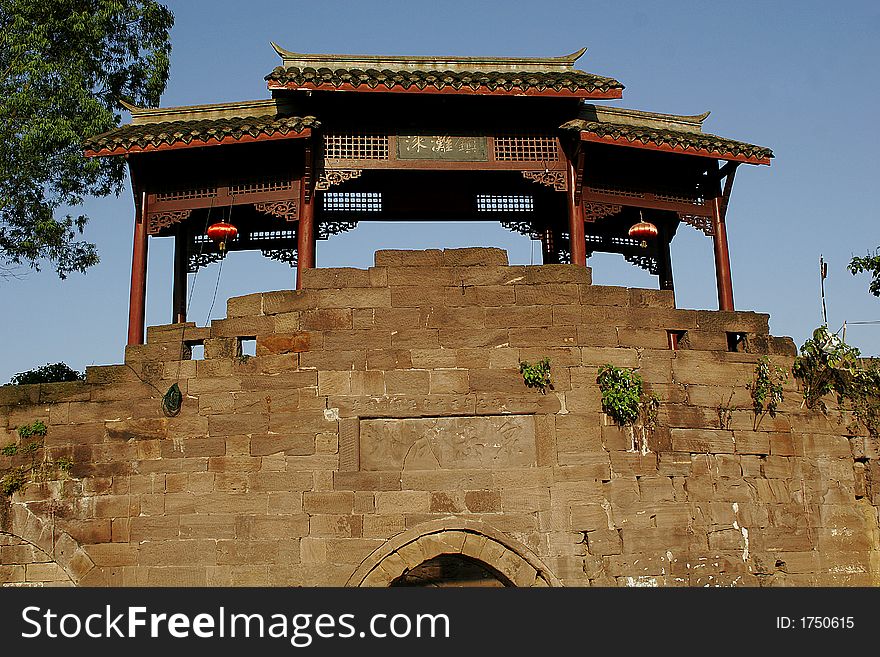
x: 594, y: 211
x: 286, y: 210
x: 282, y: 255
x: 332, y: 177
x: 159, y: 220
x: 328, y: 228
x: 554, y: 179
x: 646, y: 262
x: 699, y: 222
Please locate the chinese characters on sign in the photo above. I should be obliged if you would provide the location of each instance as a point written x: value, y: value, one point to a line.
x: 442, y: 147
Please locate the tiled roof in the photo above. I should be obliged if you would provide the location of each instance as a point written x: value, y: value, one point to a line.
x: 555, y: 76
x: 668, y: 132
x: 198, y: 132
x: 573, y: 83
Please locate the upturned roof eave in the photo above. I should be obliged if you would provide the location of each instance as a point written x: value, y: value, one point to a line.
x: 481, y: 64
x: 649, y: 144
x: 175, y: 135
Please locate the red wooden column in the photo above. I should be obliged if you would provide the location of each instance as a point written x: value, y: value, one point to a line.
x: 722, y: 255
x: 138, y: 291
x: 577, y: 242
x: 305, y: 231
x: 305, y: 241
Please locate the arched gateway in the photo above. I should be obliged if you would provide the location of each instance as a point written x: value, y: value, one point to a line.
x: 346, y: 139
x: 470, y: 547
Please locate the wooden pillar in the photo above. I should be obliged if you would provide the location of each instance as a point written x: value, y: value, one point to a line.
x: 722, y: 257
x: 138, y: 291
x: 305, y: 241
x: 578, y: 244
x: 722, y: 254
x: 178, y: 309
x: 305, y: 231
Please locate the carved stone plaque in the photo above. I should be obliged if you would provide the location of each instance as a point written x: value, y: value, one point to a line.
x: 442, y: 147
x: 493, y: 441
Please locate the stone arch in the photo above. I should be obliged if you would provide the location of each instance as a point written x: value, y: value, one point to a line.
x: 453, y: 536
x: 24, y: 564
x: 20, y: 522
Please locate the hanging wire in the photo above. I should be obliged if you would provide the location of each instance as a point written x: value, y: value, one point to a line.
x: 172, y: 400
x: 201, y: 251
x: 220, y: 269
x: 216, y: 287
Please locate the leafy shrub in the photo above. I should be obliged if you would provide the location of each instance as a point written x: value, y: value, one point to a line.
x: 12, y: 481
x: 537, y: 375
x: 621, y: 390
x: 48, y: 373
x: 827, y: 365
x: 35, y: 428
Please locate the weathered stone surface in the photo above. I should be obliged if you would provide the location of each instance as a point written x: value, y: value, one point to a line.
x: 387, y: 404
x: 447, y: 443
x: 284, y: 343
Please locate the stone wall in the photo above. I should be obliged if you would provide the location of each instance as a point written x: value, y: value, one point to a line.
x: 384, y: 422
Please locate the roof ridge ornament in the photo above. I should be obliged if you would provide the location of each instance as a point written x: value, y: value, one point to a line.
x: 419, y: 62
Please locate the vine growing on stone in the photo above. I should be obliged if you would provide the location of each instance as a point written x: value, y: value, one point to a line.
x: 767, y: 389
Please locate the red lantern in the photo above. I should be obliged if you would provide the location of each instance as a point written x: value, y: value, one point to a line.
x: 643, y: 231
x: 221, y: 233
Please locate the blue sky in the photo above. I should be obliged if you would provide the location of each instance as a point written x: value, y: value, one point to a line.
x: 800, y: 77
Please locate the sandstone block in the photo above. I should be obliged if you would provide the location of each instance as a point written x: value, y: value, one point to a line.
x: 251, y: 304
x: 328, y: 502
x: 283, y: 343
x: 336, y: 278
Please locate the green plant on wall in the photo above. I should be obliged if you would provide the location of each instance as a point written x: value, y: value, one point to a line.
x: 38, y: 469
x: 537, y: 375
x: 64, y: 464
x: 621, y: 390
x: 767, y: 389
x: 36, y: 428
x: 13, y: 481
x: 827, y: 365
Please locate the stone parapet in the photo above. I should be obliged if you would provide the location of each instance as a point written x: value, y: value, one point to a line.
x: 384, y: 419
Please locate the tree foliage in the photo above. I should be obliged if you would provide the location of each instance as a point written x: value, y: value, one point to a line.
x: 48, y: 373
x: 827, y: 365
x: 64, y: 65
x: 869, y: 264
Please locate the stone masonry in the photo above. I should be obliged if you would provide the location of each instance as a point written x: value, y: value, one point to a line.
x: 384, y: 422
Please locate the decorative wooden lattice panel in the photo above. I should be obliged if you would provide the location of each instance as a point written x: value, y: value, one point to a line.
x: 352, y: 201
x: 184, y: 194
x: 260, y: 186
x: 273, y: 234
x: 526, y: 148
x: 355, y: 147
x: 495, y: 203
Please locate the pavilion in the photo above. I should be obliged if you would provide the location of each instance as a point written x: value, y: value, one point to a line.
x: 346, y: 138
